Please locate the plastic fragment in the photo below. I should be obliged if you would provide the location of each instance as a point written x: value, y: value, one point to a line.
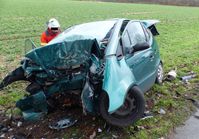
x: 19, y: 124
x: 172, y: 75
x: 188, y: 77
x: 114, y: 136
x: 147, y: 115
x: 2, y: 136
x: 161, y: 111
x: 99, y: 130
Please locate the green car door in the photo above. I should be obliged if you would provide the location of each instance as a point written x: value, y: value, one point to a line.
x: 140, y: 61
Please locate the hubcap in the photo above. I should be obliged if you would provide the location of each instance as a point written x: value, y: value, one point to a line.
x: 160, y: 73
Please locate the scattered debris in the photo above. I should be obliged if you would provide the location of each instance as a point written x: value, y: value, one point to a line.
x: 99, y: 130
x: 63, y: 123
x: 162, y: 111
x: 188, y: 77
x: 114, y: 136
x: 138, y: 128
x: 171, y: 75
x: 5, y: 129
x: 2, y: 136
x: 147, y: 115
x: 10, y: 130
x: 19, y: 124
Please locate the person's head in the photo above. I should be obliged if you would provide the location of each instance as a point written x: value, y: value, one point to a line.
x: 53, y: 25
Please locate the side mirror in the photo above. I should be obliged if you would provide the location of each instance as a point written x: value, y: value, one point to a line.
x: 140, y: 46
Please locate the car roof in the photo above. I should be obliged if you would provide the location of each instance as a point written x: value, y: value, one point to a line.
x: 98, y: 30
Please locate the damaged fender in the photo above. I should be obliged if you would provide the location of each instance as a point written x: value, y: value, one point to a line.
x: 116, y: 83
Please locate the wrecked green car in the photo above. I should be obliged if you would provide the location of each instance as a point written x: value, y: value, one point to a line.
x: 107, y: 64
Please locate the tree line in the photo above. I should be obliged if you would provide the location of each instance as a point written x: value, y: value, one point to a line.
x: 166, y: 2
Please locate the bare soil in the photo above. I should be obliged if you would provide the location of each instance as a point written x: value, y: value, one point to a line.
x: 87, y: 126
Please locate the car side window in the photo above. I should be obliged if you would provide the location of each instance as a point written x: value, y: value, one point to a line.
x: 136, y: 33
x: 126, y: 42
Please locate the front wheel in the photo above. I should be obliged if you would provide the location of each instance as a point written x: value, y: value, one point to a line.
x: 132, y: 109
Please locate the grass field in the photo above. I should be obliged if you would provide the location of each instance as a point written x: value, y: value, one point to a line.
x: 178, y: 41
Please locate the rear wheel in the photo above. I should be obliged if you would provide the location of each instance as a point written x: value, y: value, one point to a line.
x: 128, y: 113
x: 160, y: 74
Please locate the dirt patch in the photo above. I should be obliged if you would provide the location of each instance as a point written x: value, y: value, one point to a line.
x: 86, y: 126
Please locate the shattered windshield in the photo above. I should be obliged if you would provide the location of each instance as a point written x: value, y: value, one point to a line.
x: 97, y: 30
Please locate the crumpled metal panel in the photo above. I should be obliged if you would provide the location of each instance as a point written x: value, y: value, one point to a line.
x: 117, y: 80
x: 72, y: 51
x: 33, y: 107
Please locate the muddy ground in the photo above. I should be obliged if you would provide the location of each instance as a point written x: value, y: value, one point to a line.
x: 87, y: 126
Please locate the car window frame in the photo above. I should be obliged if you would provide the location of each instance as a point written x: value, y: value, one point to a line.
x: 145, y: 37
x: 121, y: 54
x: 150, y: 35
x: 126, y: 29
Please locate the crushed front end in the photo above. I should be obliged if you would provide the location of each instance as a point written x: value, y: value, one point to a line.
x: 61, y: 68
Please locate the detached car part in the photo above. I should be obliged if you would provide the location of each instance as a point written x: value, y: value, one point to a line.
x: 64, y: 123
x: 111, y: 63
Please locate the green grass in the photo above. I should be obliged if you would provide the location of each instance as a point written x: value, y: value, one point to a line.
x: 178, y: 41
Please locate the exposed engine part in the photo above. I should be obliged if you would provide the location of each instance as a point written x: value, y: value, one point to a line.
x: 16, y: 75
x: 64, y: 100
x: 33, y: 88
x: 96, y: 73
x: 100, y: 69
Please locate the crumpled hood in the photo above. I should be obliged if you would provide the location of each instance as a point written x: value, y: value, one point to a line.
x: 73, y: 50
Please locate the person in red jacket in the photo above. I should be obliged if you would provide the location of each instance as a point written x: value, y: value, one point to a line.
x: 52, y: 31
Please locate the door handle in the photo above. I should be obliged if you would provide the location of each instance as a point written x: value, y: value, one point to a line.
x: 151, y: 57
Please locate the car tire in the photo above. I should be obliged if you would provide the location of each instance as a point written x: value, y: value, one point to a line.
x: 132, y: 109
x: 160, y: 74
